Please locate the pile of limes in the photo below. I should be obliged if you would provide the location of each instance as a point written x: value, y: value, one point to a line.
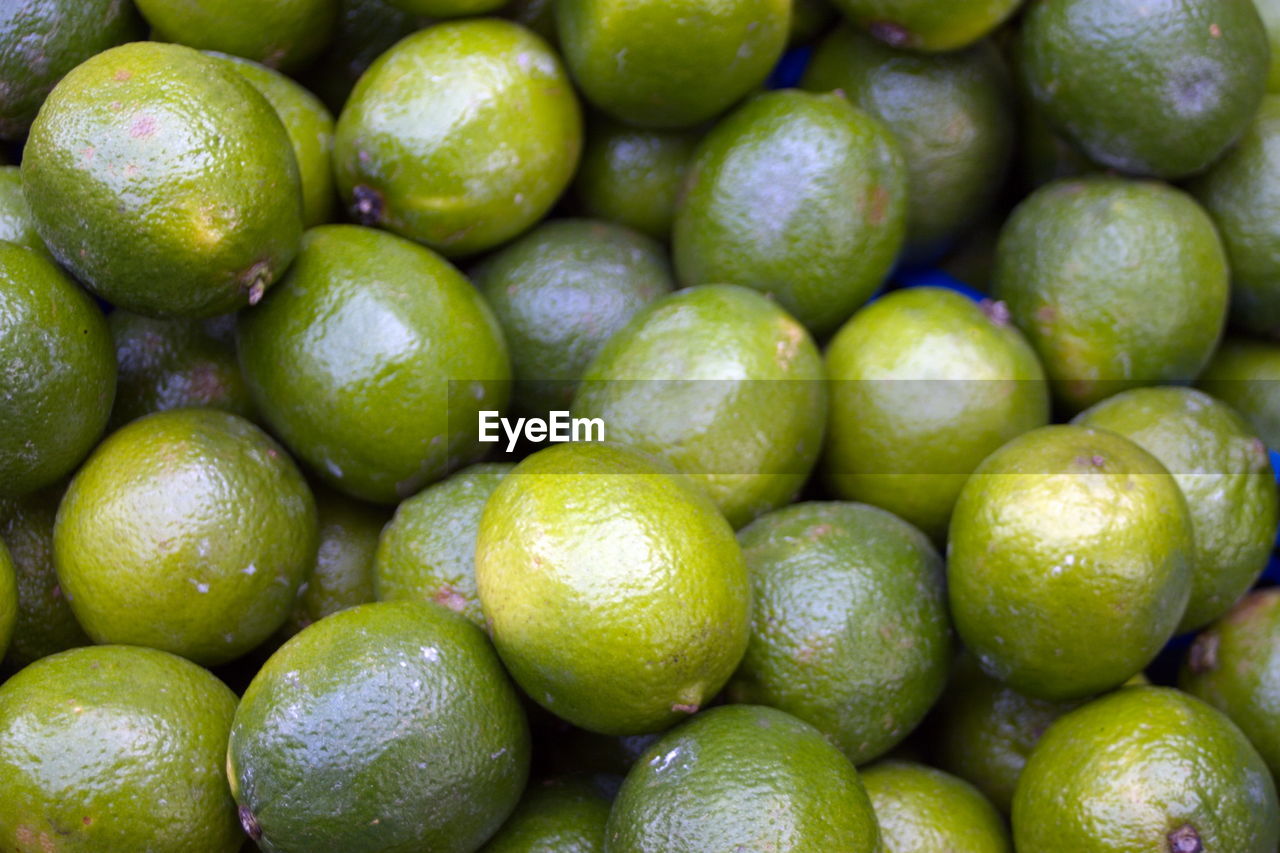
x: 639, y: 426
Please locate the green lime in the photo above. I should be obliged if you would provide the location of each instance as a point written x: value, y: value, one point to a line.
x: 461, y: 136
x: 342, y: 575
x: 115, y: 749
x: 109, y: 176
x: 925, y: 384
x: 1269, y: 11
x: 670, y: 63
x: 1069, y: 561
x: 188, y: 531
x: 310, y: 127
x: 799, y: 195
x: 1242, y: 194
x: 721, y: 383
x: 560, y: 292
x: 45, y: 624
x: 1245, y: 374
x: 1225, y: 474
x: 1235, y: 666
x: 983, y: 731
x: 632, y: 175
x: 927, y: 24
x: 279, y: 33
x: 57, y: 372
x: 951, y: 113
x: 1148, y: 88
x: 742, y: 778
x: 175, y: 363
x: 1145, y: 768
x: 556, y: 816
x: 614, y: 591
x: 372, y: 359
x: 1117, y: 283
x: 921, y: 809
x: 386, y: 727
x: 16, y: 222
x: 42, y: 41
x: 428, y: 550
x: 363, y: 32
x: 849, y: 625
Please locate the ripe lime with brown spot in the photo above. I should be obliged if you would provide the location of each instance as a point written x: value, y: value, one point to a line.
x: 116, y: 749
x: 189, y: 531
x: 721, y: 383
x: 389, y: 726
x: 283, y: 34
x: 460, y: 136
x: 632, y: 175
x: 1245, y: 374
x: 560, y: 292
x: 928, y: 25
x: 45, y: 624
x: 175, y: 363
x: 849, y: 626
x: 1069, y: 561
x: 428, y: 550
x: 615, y: 591
x: 372, y: 360
x: 670, y: 63
x: 1149, y: 88
x: 798, y: 195
x: 742, y: 777
x: 1235, y: 666
x: 922, y: 809
x: 1145, y: 768
x: 164, y: 182
x: 1225, y: 474
x: 1117, y: 283
x: 57, y: 372
x: 924, y: 385
x: 951, y: 113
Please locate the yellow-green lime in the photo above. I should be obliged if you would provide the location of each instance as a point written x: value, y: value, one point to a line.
x: 614, y: 590
x: 921, y: 810
x: 555, y: 816
x: 283, y: 34
x: 1245, y: 374
x: 188, y: 531
x: 16, y: 222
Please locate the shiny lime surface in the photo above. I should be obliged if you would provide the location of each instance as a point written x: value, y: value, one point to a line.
x: 1070, y: 561
x: 164, y: 182
x: 925, y: 384
x: 16, y: 222
x: 428, y: 550
x: 372, y: 359
x: 57, y: 372
x: 461, y: 136
x: 560, y: 815
x: 279, y: 33
x: 1145, y: 768
x: 798, y: 195
x: 389, y: 726
x: 560, y: 292
x: 923, y: 809
x: 849, y: 625
x: 1117, y: 283
x: 723, y: 384
x: 927, y: 25
x: 188, y: 531
x: 670, y: 63
x: 614, y: 590
x: 744, y: 778
x: 115, y: 749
